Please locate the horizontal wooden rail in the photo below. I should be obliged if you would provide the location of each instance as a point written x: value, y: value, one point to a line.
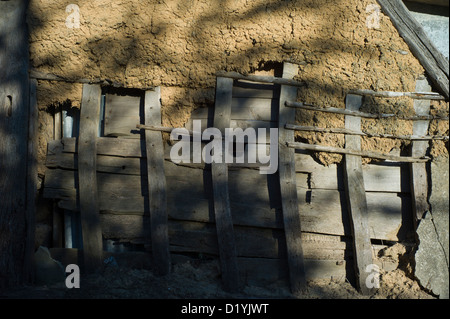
x: 311, y: 107
x: 38, y: 75
x: 371, y: 154
x: 260, y: 78
x: 391, y: 94
x: 352, y: 132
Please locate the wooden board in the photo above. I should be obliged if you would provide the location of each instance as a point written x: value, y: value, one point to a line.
x: 288, y: 189
x: 189, y: 195
x: 433, y: 61
x: 32, y: 181
x: 418, y: 171
x: 222, y: 210
x: 122, y: 113
x: 249, y: 89
x: 356, y: 197
x: 254, y: 109
x: 87, y: 177
x: 156, y: 183
x: 377, y: 178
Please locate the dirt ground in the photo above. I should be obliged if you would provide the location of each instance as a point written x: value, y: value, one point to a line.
x: 200, y: 279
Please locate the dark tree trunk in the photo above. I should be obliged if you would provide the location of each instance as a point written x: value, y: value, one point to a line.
x: 14, y: 110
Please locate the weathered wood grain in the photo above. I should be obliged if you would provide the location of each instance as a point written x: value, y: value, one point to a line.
x: 356, y: 197
x: 122, y: 113
x: 418, y: 171
x: 87, y: 177
x: 222, y: 209
x: 156, y: 183
x: 433, y: 61
x: 286, y: 171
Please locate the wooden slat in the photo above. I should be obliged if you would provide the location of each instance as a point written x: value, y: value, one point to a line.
x: 260, y: 78
x: 433, y: 61
x: 418, y: 171
x: 87, y: 176
x: 122, y: 113
x: 156, y: 183
x: 254, y: 109
x: 288, y: 187
x: 32, y: 176
x: 251, y: 89
x: 356, y: 198
x: 321, y: 211
x: 222, y: 210
x: 355, y: 152
x: 335, y: 110
x: 377, y: 178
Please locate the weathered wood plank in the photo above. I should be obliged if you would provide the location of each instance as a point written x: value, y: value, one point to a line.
x: 32, y: 176
x: 326, y: 212
x: 321, y: 211
x: 354, y: 152
x: 122, y: 113
x: 356, y: 197
x: 254, y: 109
x: 87, y: 177
x: 286, y: 169
x: 418, y: 171
x: 377, y: 178
x: 222, y: 210
x: 261, y: 78
x: 433, y: 61
x: 157, y: 183
x: 310, y: 107
x: 251, y: 89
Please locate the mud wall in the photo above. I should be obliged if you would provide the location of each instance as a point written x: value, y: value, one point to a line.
x: 179, y: 45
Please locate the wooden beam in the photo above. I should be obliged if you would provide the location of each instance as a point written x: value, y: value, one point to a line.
x: 418, y: 171
x: 434, y: 62
x: 371, y: 154
x: 222, y: 210
x: 361, y: 133
x: 156, y: 183
x: 336, y: 110
x: 418, y: 95
x: 260, y: 78
x: 288, y: 187
x: 87, y: 177
x: 32, y: 176
x: 356, y: 198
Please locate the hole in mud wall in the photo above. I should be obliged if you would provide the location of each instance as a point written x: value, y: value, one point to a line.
x: 8, y: 105
x: 274, y: 68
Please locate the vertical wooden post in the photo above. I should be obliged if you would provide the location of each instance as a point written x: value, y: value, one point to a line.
x: 31, y: 181
x: 288, y: 187
x: 87, y: 177
x: 157, y: 183
x: 14, y: 109
x: 356, y: 197
x: 219, y: 172
x: 418, y: 171
x: 58, y: 215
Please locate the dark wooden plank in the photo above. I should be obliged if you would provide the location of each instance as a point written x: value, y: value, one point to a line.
x: 286, y: 168
x: 122, y: 113
x: 433, y: 61
x: 222, y: 209
x: 356, y: 197
x: 87, y: 176
x: 32, y: 180
x: 418, y: 171
x: 157, y: 183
